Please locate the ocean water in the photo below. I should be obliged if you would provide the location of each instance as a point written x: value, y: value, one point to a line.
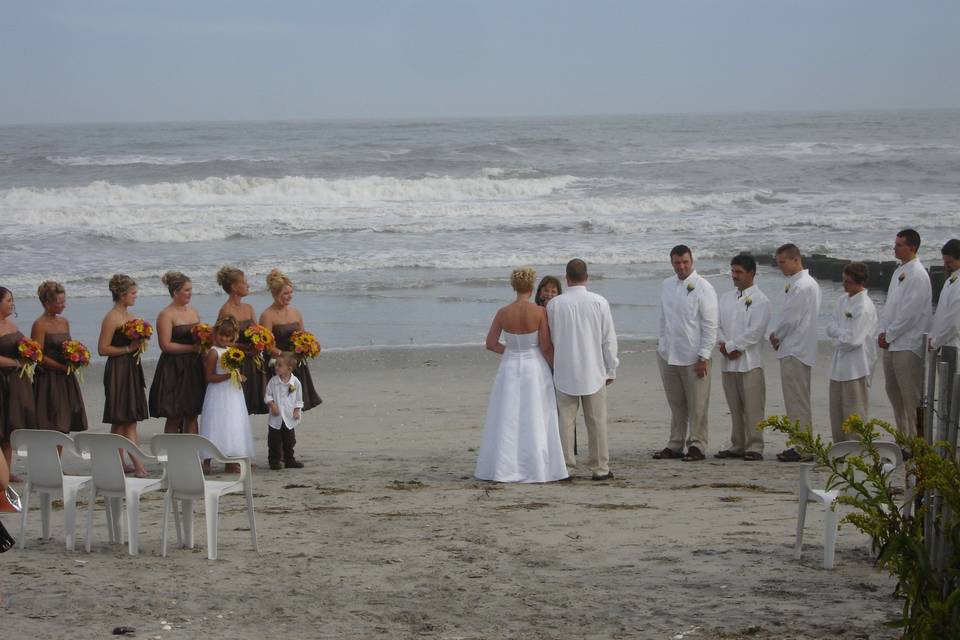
x: 404, y: 232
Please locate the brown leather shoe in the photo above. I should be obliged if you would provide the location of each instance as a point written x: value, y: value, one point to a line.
x: 694, y: 455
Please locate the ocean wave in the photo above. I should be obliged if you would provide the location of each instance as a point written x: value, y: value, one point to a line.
x: 245, y: 190
x: 128, y: 159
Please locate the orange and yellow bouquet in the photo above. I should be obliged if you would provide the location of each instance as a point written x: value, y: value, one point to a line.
x: 305, y: 345
x: 261, y: 339
x: 138, y: 329
x: 203, y: 334
x: 30, y: 354
x: 232, y: 361
x: 77, y: 356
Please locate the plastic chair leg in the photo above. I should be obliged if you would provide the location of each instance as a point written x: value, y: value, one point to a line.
x: 801, y: 519
x: 212, y: 513
x: 167, y: 506
x: 91, y: 501
x: 133, y: 522
x: 177, y: 525
x: 116, y: 506
x: 25, y: 506
x: 70, y: 515
x: 186, y: 518
x: 45, y: 507
x: 829, y: 538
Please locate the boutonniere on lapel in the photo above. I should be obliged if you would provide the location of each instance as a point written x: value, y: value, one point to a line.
x: 748, y: 302
x: 690, y: 287
x: 786, y: 288
x: 902, y: 277
x: 291, y: 388
x: 953, y: 278
x: 847, y: 314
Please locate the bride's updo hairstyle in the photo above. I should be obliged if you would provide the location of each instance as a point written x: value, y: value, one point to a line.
x: 522, y: 279
x: 229, y: 276
x: 48, y: 291
x: 120, y: 283
x: 277, y: 280
x: 174, y: 281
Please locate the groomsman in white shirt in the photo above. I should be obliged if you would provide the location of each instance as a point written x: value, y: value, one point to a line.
x: 852, y: 328
x: 688, y: 333
x: 906, y: 317
x: 584, y: 363
x: 795, y: 339
x: 945, y: 332
x: 744, y: 316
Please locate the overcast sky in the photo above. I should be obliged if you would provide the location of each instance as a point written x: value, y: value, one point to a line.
x: 129, y: 60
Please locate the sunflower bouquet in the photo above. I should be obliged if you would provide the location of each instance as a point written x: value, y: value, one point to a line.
x: 305, y: 346
x: 29, y: 355
x: 138, y: 329
x: 203, y: 335
x: 232, y: 361
x: 261, y: 339
x: 77, y: 356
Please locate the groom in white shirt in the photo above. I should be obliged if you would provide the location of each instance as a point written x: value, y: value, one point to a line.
x: 906, y: 317
x: 744, y: 316
x: 584, y: 363
x: 688, y: 333
x: 795, y: 339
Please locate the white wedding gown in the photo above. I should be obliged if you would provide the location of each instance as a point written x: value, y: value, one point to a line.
x: 521, y: 438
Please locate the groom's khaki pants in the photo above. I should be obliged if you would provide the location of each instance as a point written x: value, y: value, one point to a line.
x: 746, y: 394
x: 903, y: 371
x: 795, y: 382
x: 595, y: 415
x: 689, y: 400
x: 847, y: 398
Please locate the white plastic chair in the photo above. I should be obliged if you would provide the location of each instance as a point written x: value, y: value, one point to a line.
x: 889, y: 453
x: 45, y: 476
x: 180, y: 454
x: 110, y: 482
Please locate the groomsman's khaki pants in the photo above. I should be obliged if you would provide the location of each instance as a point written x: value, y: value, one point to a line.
x: 904, y: 380
x: 847, y: 398
x: 595, y: 415
x: 689, y: 399
x: 746, y: 394
x: 795, y: 382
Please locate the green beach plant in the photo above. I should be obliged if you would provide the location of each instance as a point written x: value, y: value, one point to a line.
x: 928, y: 582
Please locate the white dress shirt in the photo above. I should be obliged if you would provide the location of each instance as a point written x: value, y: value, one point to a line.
x: 908, y: 309
x: 946, y: 321
x: 797, y: 330
x: 584, y: 341
x: 279, y: 391
x: 688, y: 320
x: 744, y: 316
x: 853, y: 330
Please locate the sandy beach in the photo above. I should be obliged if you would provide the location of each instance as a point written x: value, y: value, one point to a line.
x: 386, y: 534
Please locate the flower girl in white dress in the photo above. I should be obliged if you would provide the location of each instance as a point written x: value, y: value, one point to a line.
x: 224, y: 420
x: 521, y: 438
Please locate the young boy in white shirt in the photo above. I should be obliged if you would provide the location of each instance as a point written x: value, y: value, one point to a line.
x: 284, y: 397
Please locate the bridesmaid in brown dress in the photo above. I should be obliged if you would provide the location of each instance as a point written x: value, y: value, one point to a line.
x: 283, y: 319
x: 234, y: 282
x: 125, y: 398
x: 59, y: 401
x: 17, y: 404
x: 178, y: 382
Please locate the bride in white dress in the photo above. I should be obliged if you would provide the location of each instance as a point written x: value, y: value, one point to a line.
x: 521, y: 438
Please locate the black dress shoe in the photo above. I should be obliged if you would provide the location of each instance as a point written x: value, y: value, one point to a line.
x: 607, y: 476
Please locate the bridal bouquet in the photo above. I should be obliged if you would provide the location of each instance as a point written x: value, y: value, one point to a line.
x: 261, y: 339
x: 29, y: 355
x: 203, y: 335
x: 77, y: 356
x: 305, y: 345
x: 232, y: 361
x: 138, y: 329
